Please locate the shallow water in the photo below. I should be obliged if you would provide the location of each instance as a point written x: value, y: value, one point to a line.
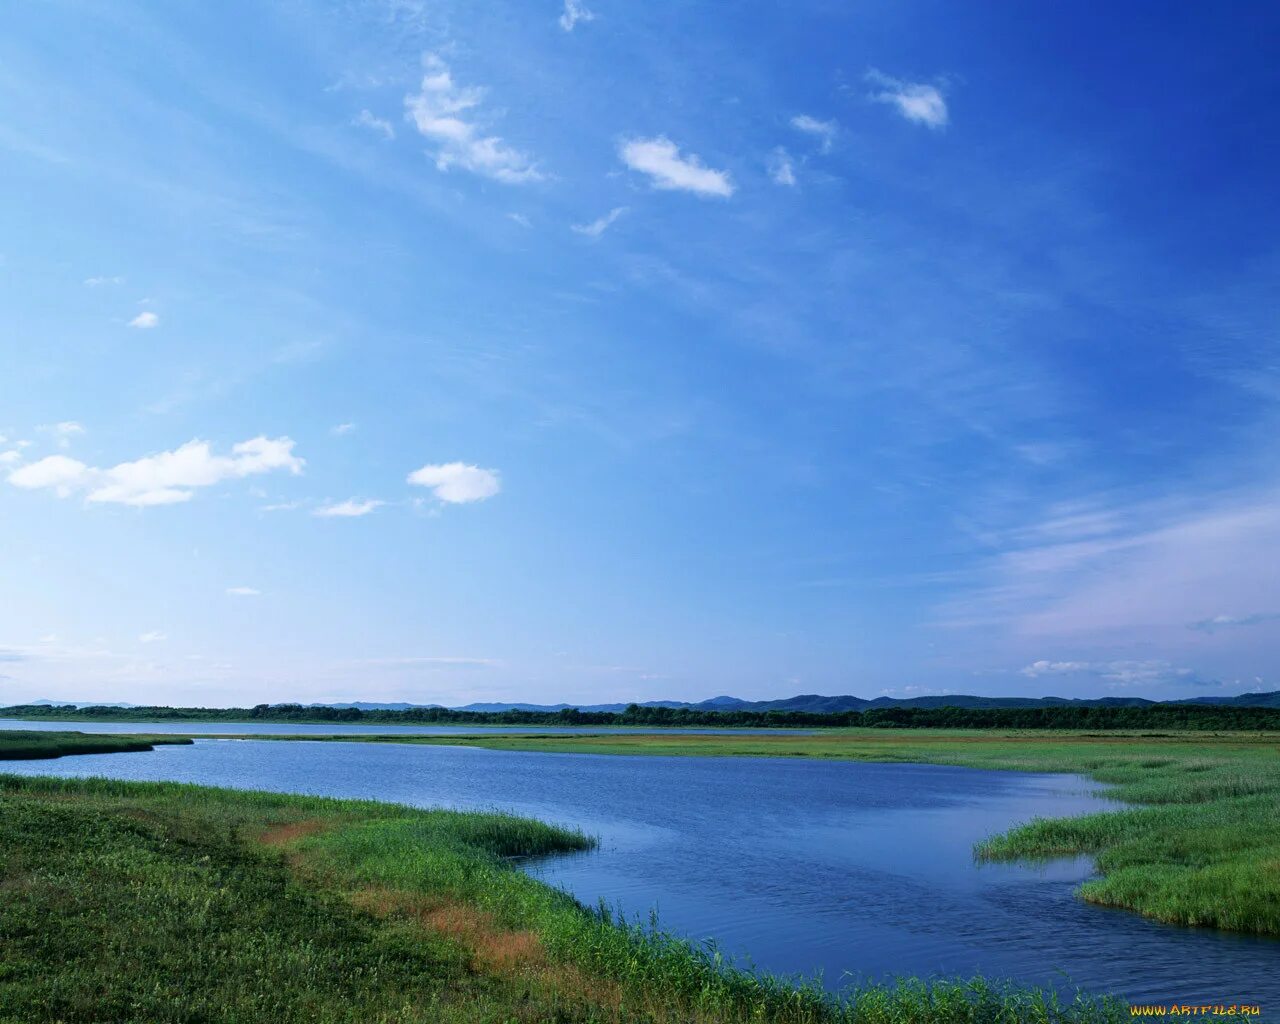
x: 855, y: 870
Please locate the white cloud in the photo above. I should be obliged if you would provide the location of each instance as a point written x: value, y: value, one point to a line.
x: 574, y: 12
x: 378, y: 125
x: 437, y: 111
x: 349, y: 509
x: 825, y: 131
x: 458, y: 483
x: 521, y: 219
x: 916, y: 101
x: 13, y: 455
x: 600, y: 225
x: 96, y: 282
x: 162, y: 479
x: 243, y: 591
x: 57, y: 471
x: 781, y: 171
x: 63, y: 432
x: 153, y: 636
x: 660, y: 159
x: 145, y: 320
x: 342, y: 428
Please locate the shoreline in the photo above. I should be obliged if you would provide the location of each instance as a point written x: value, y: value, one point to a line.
x: 1194, y: 848
x: 398, y: 906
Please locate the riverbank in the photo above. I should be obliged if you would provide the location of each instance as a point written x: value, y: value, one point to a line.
x: 1202, y: 847
x: 173, y: 902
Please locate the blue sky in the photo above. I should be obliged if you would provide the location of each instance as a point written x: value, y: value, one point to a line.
x: 442, y: 352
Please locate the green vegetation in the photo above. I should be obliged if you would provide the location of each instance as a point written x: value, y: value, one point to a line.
x: 131, y: 902
x: 1204, y: 851
x: 1073, y: 716
x: 18, y: 745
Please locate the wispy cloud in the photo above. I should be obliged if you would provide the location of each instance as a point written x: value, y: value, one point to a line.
x: 432, y: 662
x: 352, y: 508
x: 1219, y: 622
x: 378, y: 125
x: 442, y: 111
x: 601, y: 224
x: 661, y: 160
x: 916, y: 101
x: 574, y: 12
x: 1121, y: 674
x: 145, y: 320
x: 824, y: 131
x: 98, y: 282
x: 341, y: 429
x: 162, y: 479
x: 244, y: 591
x: 781, y: 170
x: 1116, y: 569
x: 457, y: 483
x: 154, y: 636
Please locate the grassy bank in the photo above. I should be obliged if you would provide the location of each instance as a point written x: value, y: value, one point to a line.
x: 1203, y: 847
x: 19, y: 745
x: 163, y: 902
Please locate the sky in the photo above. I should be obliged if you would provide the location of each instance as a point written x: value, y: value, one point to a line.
x: 596, y: 350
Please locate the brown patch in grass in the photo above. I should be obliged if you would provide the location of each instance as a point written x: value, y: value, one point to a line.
x: 283, y: 835
x: 508, y: 953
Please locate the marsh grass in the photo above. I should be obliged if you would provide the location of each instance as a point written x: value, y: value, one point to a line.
x: 167, y: 902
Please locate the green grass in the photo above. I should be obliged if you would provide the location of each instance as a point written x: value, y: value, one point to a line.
x: 133, y: 902
x: 1202, y: 847
x: 26, y: 745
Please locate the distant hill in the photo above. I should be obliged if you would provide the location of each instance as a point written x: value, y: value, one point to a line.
x: 816, y: 703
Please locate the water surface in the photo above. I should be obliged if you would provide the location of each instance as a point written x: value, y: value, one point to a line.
x: 855, y: 870
x: 356, y: 728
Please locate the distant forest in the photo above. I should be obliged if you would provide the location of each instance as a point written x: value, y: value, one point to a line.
x: 1153, y: 716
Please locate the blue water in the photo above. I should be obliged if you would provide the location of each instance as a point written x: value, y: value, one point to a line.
x: 348, y: 728
x: 853, y: 870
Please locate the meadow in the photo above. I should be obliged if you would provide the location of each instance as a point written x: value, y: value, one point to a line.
x: 1200, y: 847
x: 132, y: 902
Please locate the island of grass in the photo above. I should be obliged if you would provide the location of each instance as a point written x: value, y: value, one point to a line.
x: 24, y: 745
x: 1201, y: 847
x: 166, y: 902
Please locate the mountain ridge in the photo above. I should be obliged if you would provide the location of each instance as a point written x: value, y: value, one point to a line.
x: 807, y: 702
